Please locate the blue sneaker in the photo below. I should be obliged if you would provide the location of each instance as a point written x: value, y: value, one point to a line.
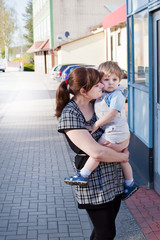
x: 129, y: 190
x: 77, y: 179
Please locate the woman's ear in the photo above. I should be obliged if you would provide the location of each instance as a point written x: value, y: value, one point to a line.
x: 83, y: 91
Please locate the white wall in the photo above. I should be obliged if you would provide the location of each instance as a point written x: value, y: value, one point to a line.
x: 119, y: 52
x: 49, y: 64
x: 89, y: 50
x: 41, y: 20
x: 76, y: 17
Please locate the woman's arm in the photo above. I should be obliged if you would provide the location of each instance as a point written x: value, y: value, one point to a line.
x: 83, y: 140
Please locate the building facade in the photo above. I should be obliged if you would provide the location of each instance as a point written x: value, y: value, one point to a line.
x: 56, y: 23
x: 114, y: 25
x: 87, y: 50
x: 143, y: 36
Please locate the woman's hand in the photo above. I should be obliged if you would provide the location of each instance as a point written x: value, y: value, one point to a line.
x: 115, y: 146
x: 118, y: 147
x: 125, y: 151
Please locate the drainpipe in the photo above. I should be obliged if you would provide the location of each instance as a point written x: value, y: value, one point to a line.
x: 106, y: 44
x: 51, y: 24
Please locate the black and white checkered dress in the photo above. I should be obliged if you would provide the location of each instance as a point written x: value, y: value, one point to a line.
x: 106, y: 181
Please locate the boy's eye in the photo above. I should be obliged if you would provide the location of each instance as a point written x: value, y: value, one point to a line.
x: 106, y: 79
x: 115, y: 79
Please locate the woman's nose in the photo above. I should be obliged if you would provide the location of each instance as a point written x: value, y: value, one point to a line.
x: 101, y: 85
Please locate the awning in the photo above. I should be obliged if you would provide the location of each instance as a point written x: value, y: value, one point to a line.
x: 39, y: 46
x: 45, y: 46
x: 31, y: 49
x: 115, y: 18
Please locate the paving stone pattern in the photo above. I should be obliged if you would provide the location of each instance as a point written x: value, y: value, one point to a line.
x: 35, y: 203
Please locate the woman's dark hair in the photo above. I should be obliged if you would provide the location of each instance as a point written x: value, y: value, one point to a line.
x: 80, y: 77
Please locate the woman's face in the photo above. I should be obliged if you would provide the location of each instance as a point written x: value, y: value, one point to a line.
x: 96, y: 91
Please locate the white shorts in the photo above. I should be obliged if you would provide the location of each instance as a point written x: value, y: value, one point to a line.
x: 116, y: 134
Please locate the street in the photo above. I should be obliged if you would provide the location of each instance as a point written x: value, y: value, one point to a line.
x: 35, y: 203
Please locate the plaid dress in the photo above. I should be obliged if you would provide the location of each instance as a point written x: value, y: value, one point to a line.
x: 107, y: 180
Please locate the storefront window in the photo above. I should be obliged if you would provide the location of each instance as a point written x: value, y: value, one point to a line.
x: 158, y: 64
x: 129, y: 6
x: 141, y: 48
x: 130, y: 50
x: 138, y: 3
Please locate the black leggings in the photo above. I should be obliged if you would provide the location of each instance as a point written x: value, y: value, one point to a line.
x: 104, y: 220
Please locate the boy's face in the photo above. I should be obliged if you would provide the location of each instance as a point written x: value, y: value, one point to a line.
x: 110, y: 82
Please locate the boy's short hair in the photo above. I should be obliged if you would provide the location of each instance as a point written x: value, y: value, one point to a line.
x: 110, y: 67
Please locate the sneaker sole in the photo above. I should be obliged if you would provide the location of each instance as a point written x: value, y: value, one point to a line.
x: 135, y: 190
x: 76, y: 183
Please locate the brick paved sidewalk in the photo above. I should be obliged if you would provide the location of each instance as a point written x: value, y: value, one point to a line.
x: 35, y: 204
x: 145, y: 207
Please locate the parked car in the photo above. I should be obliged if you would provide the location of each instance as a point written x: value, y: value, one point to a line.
x: 54, y: 72
x: 61, y: 68
x: 2, y: 65
x: 124, y: 72
x: 124, y: 81
x: 69, y: 69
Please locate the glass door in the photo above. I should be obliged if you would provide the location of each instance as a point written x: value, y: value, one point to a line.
x: 156, y: 47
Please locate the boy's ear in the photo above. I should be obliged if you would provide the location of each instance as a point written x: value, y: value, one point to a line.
x: 82, y: 91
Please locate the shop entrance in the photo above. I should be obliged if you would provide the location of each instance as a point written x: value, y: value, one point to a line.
x: 156, y: 48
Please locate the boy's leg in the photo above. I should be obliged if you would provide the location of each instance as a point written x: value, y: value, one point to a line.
x: 127, y: 171
x: 91, y: 164
x: 81, y: 178
x: 130, y: 185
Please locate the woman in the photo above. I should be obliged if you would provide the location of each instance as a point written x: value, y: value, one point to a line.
x: 102, y: 197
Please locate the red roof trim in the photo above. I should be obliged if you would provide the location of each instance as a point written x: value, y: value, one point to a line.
x: 31, y: 49
x: 45, y: 45
x: 115, y: 18
x: 39, y: 46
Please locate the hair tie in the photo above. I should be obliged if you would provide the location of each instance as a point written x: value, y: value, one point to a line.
x: 66, y: 82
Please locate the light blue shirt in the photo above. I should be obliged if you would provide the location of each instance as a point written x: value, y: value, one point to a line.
x: 117, y: 129
x: 116, y: 99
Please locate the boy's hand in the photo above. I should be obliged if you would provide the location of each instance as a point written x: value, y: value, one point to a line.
x: 94, y: 128
x: 89, y: 128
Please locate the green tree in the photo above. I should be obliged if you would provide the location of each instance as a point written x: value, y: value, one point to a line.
x: 28, y: 17
x: 7, y: 25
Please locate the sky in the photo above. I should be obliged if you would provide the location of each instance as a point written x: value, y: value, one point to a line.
x: 19, y: 6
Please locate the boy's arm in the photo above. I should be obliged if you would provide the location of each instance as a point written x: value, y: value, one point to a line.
x: 107, y: 117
